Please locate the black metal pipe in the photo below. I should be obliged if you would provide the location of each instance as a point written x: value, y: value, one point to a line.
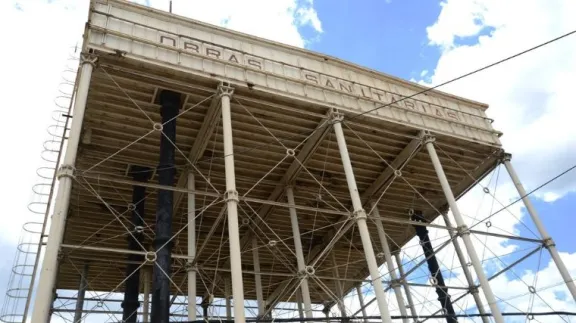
x: 131, y: 304
x: 434, y: 268
x: 170, y: 102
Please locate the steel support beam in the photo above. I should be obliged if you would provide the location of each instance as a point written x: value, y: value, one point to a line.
x: 404, y: 282
x: 434, y: 268
x: 191, y: 248
x: 257, y: 277
x: 132, y: 286
x: 463, y: 230
x: 146, y: 273
x: 231, y: 197
x: 361, y: 302
x: 469, y: 280
x: 335, y: 234
x: 81, y: 295
x: 548, y: 242
x: 170, y: 102
x: 360, y: 217
x: 228, y: 295
x: 301, y: 158
x: 299, y: 304
x: 338, y: 283
x: 47, y: 281
x: 305, y: 290
x: 395, y: 284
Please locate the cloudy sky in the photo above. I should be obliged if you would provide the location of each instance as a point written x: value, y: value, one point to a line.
x: 425, y: 41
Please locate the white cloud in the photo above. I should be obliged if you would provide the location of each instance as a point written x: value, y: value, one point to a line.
x: 530, y: 97
x: 277, y: 20
x: 530, y: 100
x: 42, y: 35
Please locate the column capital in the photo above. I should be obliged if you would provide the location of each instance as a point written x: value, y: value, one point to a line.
x: 88, y: 58
x: 505, y: 157
x: 335, y: 116
x: 427, y: 137
x: 225, y: 89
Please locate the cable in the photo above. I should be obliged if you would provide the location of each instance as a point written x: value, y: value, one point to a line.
x: 307, y: 133
x: 527, y: 194
x: 379, y: 318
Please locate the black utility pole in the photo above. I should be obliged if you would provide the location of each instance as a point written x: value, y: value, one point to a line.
x: 434, y: 268
x: 170, y: 102
x: 135, y: 240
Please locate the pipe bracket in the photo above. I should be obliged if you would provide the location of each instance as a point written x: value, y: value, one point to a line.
x: 66, y: 171
x: 359, y: 214
x: 231, y: 195
x: 548, y: 242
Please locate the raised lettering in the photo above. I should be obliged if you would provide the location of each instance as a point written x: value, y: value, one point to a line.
x: 255, y: 63
x: 422, y: 105
x: 233, y: 59
x: 345, y: 87
x: 192, y: 47
x: 452, y: 114
x: 364, y: 94
x: 162, y: 38
x: 379, y: 95
x: 439, y: 113
x: 409, y: 104
x: 311, y: 78
x: 329, y: 84
x: 213, y: 52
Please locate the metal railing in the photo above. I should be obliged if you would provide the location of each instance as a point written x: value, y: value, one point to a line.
x: 22, y: 278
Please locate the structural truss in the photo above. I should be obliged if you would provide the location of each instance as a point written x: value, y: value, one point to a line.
x: 196, y: 186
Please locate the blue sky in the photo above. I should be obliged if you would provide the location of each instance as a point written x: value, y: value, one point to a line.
x: 426, y: 41
x: 388, y: 37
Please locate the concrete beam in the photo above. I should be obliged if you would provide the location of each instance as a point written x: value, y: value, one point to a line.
x: 387, y: 174
x: 199, y: 147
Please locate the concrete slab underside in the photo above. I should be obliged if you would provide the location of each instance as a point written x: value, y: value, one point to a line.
x: 114, y: 120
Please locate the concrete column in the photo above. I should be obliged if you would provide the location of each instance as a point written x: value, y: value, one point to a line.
x: 231, y: 197
x: 360, y: 217
x: 170, y: 102
x: 548, y: 242
x: 257, y: 277
x: 81, y: 294
x: 403, y: 281
x: 463, y: 231
x: 305, y: 290
x: 389, y: 264
x: 46, y: 282
x: 191, y: 249
x: 361, y: 301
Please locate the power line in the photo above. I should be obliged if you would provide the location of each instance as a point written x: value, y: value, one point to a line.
x: 379, y: 318
x: 308, y: 133
x: 527, y: 194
